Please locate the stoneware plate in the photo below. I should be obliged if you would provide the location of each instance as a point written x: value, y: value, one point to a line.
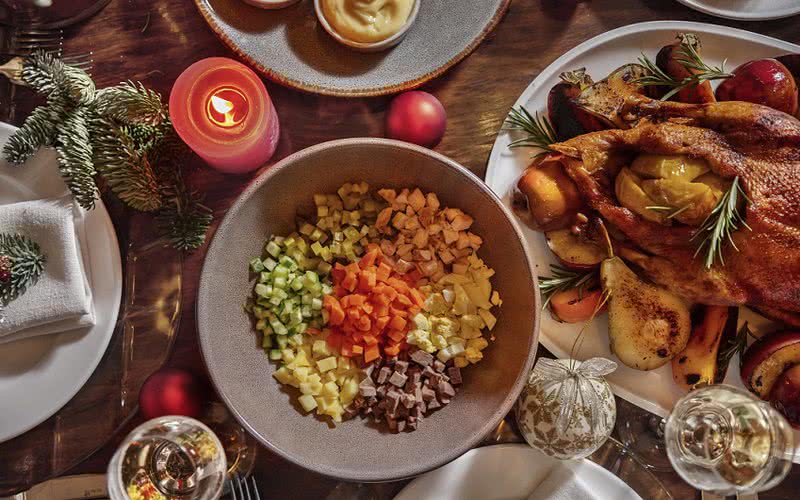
x: 290, y: 47
x: 746, y: 10
x: 356, y: 450
x: 655, y: 390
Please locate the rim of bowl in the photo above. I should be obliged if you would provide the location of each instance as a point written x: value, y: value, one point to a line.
x: 367, y: 46
x: 271, y: 4
x: 500, y: 412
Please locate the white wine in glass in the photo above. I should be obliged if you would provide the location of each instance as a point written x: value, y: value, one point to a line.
x: 725, y: 440
x: 168, y: 458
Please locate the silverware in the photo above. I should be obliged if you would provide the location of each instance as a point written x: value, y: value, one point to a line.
x: 25, y: 39
x: 242, y: 489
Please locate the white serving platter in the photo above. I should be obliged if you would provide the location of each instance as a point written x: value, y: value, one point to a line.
x: 39, y: 375
x: 655, y: 390
x: 746, y: 10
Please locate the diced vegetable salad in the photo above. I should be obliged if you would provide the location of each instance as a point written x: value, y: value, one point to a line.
x: 374, y: 304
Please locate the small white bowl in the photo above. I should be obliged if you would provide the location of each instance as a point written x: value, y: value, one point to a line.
x: 371, y: 46
x: 271, y: 4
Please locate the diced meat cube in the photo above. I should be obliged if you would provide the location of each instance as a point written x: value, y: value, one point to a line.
x: 393, y: 399
x: 428, y: 394
x: 421, y: 357
x: 445, y: 390
x: 384, y: 217
x: 432, y: 201
x: 369, y: 369
x: 392, y: 422
x: 408, y: 400
x: 461, y: 222
x: 367, y: 391
x: 383, y: 375
x: 401, y: 367
x: 429, y: 372
x: 434, y: 404
x: 438, y: 366
x: 455, y: 375
x: 445, y: 401
x: 398, y: 379
x: 401, y: 425
x: 381, y: 391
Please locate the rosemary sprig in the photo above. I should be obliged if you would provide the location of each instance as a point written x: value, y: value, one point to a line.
x: 565, y: 279
x: 540, y: 133
x: 732, y: 346
x: 721, y: 223
x: 674, y: 212
x: 690, y: 59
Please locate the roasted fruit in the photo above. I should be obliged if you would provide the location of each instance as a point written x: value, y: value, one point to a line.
x: 567, y: 118
x: 683, y: 167
x: 545, y: 198
x: 576, y: 306
x: 669, y: 60
x: 688, y: 202
x: 606, y: 99
x: 785, y: 395
x: 696, y: 365
x: 628, y: 188
x: 767, y: 358
x: 575, y: 251
x: 763, y: 81
x: 647, y: 325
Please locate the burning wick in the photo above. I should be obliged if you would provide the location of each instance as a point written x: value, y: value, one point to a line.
x: 227, y: 107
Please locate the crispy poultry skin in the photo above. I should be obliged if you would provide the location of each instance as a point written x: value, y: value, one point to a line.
x: 756, y: 143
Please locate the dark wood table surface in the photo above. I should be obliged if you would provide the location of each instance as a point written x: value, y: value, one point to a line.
x: 154, y: 40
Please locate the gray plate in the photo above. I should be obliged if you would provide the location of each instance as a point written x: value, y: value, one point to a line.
x: 290, y: 47
x: 357, y: 450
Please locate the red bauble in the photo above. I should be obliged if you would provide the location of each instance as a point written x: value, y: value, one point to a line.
x: 172, y: 391
x: 416, y: 117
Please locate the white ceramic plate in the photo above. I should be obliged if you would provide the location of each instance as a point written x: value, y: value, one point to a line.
x: 746, y: 10
x: 654, y: 390
x: 40, y: 375
x: 506, y: 472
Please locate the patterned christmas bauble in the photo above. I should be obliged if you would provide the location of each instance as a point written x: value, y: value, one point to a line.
x: 5, y: 268
x: 567, y: 410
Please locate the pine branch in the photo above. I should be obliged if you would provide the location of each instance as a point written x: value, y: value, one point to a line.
x: 75, y: 158
x: 131, y: 102
x: 126, y: 169
x: 39, y: 129
x: 565, y: 279
x: 721, y: 223
x: 48, y: 75
x: 26, y: 263
x: 185, y: 220
x: 540, y: 133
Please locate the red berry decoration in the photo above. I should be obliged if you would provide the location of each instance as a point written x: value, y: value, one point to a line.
x: 172, y: 391
x: 5, y: 268
x: 416, y: 117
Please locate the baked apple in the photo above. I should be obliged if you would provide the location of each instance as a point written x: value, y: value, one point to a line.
x: 545, y: 197
x: 567, y: 118
x: 785, y: 395
x: 575, y: 251
x: 763, y: 81
x: 765, y: 360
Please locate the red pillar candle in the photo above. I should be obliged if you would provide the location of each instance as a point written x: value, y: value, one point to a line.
x: 222, y: 110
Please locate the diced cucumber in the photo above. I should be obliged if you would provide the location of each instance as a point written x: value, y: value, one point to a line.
x: 256, y: 265
x: 273, y: 248
x: 275, y: 354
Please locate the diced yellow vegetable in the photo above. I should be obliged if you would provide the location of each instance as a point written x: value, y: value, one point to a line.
x: 326, y: 364
x: 307, y: 402
x: 321, y: 349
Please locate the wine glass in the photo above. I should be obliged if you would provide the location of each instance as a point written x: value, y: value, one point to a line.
x: 642, y: 434
x: 171, y: 458
x: 724, y: 440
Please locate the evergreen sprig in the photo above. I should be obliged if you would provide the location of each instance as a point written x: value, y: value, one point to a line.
x: 119, y: 134
x: 721, y: 223
x: 539, y: 132
x: 26, y: 264
x: 565, y: 279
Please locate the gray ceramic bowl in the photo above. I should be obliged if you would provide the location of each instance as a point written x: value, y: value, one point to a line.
x: 357, y: 450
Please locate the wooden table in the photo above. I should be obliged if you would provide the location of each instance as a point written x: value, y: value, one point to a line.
x: 154, y: 40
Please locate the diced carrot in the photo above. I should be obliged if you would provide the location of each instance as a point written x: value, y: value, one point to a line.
x: 413, y: 276
x: 369, y: 258
x: 366, y: 280
x: 392, y: 350
x: 383, y: 272
x: 417, y: 296
x: 313, y: 331
x: 397, y: 335
x: 335, y: 311
x: 347, y: 349
x: 394, y: 311
x: 403, y: 301
x: 357, y: 349
x: 349, y: 282
x: 370, y: 340
x: 334, y: 341
x: 364, y: 324
x: 352, y: 268
x: 372, y: 353
x: 381, y: 322
x: 398, y: 323
x: 338, y: 272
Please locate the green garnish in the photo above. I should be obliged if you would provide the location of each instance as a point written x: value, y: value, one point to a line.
x: 721, y: 223
x: 565, y: 279
x: 731, y: 347
x: 540, y: 133
x: 673, y: 211
x: 690, y: 59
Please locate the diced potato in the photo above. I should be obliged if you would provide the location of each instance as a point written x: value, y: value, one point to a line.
x: 330, y: 390
x: 307, y: 402
x: 460, y: 362
x: 349, y: 391
x: 287, y: 355
x: 301, y: 373
x: 479, y: 343
x: 320, y: 349
x: 282, y: 375
x: 488, y: 318
x: 326, y: 364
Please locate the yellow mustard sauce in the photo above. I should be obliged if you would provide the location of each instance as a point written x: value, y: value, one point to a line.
x: 367, y: 21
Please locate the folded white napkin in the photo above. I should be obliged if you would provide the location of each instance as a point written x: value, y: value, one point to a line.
x: 562, y: 484
x: 62, y: 299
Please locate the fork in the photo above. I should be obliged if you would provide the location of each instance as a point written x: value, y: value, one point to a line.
x: 28, y: 38
x: 242, y: 489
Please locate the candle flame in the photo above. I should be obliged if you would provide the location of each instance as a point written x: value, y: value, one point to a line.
x: 221, y: 105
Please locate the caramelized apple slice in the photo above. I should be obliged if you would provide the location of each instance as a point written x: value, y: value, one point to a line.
x: 575, y: 251
x: 768, y: 358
